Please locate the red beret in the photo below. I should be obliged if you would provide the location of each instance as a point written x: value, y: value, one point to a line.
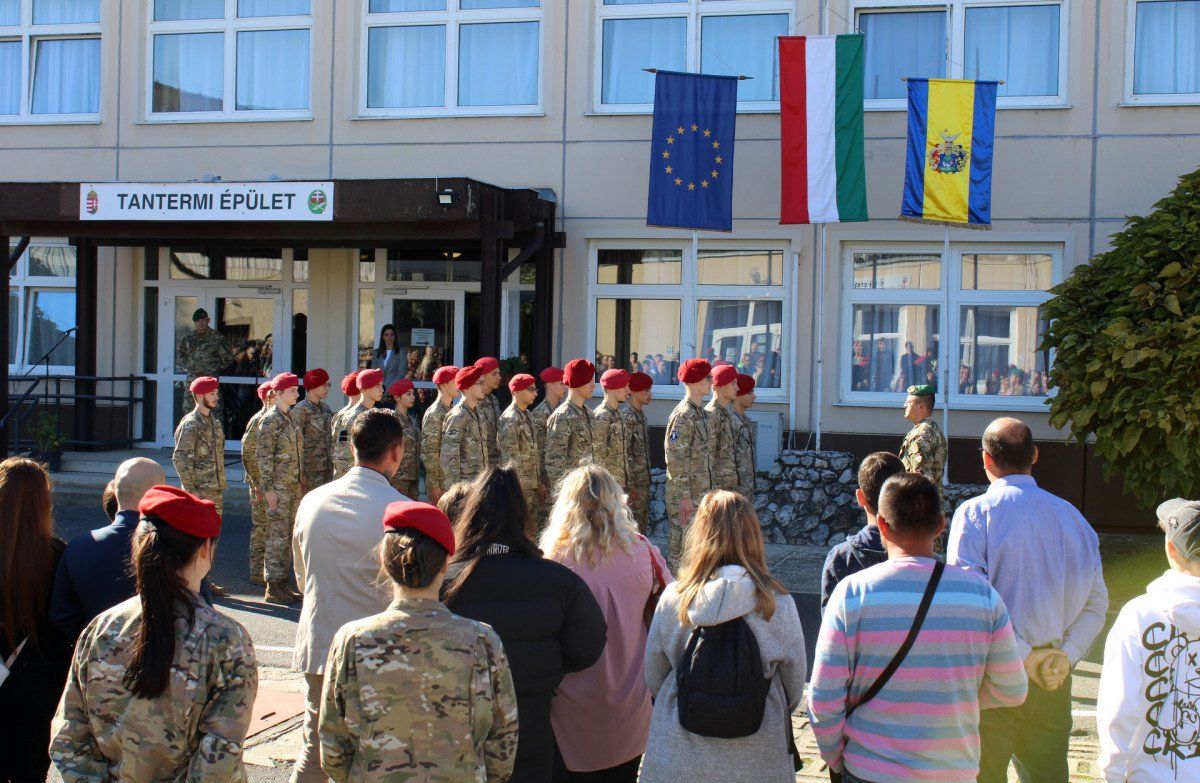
x: 369, y: 379
x: 264, y: 389
x: 614, y: 379
x: 487, y: 363
x: 551, y: 375
x: 745, y: 384
x: 444, y: 374
x: 315, y: 378
x: 400, y: 387
x: 467, y: 377
x: 181, y: 510
x: 422, y: 517
x: 579, y: 372
x: 204, y: 384
x: 724, y: 375
x: 284, y: 381
x: 350, y: 384
x: 693, y: 371
x: 520, y: 382
x: 640, y: 381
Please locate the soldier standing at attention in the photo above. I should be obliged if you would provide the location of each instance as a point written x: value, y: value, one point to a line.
x: 431, y: 431
x: 723, y: 427
x: 610, y: 442
x: 416, y: 692
x: 555, y: 390
x: 370, y: 391
x: 637, y: 435
x: 519, y: 445
x: 407, y: 480
x: 461, y: 454
x: 314, y: 418
x: 203, y: 352
x: 569, y: 441
x: 688, y: 445
x: 746, y: 435
x: 162, y: 684
x: 924, y: 448
x: 199, y: 455
x: 489, y: 407
x: 258, y: 507
x: 278, y: 452
x: 350, y: 389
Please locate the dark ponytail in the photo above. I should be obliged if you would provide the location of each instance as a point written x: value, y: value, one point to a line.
x: 411, y: 558
x: 160, y: 552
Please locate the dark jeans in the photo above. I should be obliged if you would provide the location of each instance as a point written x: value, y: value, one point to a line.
x: 1035, y: 736
x: 622, y: 773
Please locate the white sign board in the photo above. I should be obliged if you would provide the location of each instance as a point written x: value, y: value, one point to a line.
x: 197, y: 201
x: 422, y: 337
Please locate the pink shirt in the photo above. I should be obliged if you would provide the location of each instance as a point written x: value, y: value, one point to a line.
x: 601, y: 715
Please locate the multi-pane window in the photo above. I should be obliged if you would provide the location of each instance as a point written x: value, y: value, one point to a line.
x: 897, y: 310
x: 41, y: 308
x: 708, y: 36
x: 452, y: 57
x: 49, y: 59
x: 1020, y: 43
x: 656, y: 306
x: 1165, y: 46
x: 230, y: 58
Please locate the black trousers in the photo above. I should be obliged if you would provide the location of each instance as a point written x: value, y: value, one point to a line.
x: 28, y: 700
x: 1035, y: 736
x: 622, y: 773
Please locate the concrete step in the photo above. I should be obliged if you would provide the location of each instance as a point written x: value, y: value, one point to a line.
x: 84, y: 475
x: 108, y: 461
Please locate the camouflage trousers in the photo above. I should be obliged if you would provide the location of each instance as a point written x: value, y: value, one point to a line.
x: 317, y: 476
x: 217, y: 496
x: 639, y: 504
x: 277, y: 536
x: 341, y: 460
x: 674, y: 545
x: 258, y: 532
x: 408, y: 487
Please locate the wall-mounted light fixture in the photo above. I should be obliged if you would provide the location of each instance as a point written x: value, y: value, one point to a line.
x: 445, y: 197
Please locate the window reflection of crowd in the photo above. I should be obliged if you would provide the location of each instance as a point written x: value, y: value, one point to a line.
x: 1013, y: 383
x: 875, y: 368
x: 763, y: 366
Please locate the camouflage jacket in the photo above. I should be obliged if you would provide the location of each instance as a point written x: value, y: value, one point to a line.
x: 278, y: 452
x: 569, y: 441
x: 410, y: 464
x: 249, y: 439
x: 489, y: 418
x: 342, y: 457
x: 199, y: 454
x: 688, y: 445
x: 517, y: 433
x: 417, y: 693
x: 610, y: 444
x: 723, y: 429
x: 924, y: 450
x: 431, y: 444
x: 541, y: 416
x: 315, y: 420
x: 746, y: 437
x: 637, y: 436
x: 203, y: 354
x: 194, y: 731
x: 461, y: 457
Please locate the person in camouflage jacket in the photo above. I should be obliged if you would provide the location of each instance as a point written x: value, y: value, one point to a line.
x: 637, y: 435
x: 258, y: 507
x: 569, y: 440
x: 431, y: 431
x: 723, y: 427
x: 203, y: 352
x: 610, y: 445
x: 462, y: 456
x: 407, y: 479
x: 688, y: 445
x: 519, y: 445
x: 315, y: 420
x: 278, y: 453
x: 199, y: 455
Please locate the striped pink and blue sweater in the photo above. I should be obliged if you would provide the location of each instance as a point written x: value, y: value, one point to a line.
x: 924, y: 724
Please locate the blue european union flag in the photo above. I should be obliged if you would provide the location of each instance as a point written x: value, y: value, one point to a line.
x: 691, y: 154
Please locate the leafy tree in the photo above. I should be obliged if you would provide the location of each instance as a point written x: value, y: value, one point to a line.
x: 1126, y: 332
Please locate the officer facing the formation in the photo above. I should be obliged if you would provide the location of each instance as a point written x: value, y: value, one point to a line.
x: 519, y: 445
x: 637, y: 436
x: 314, y: 418
x: 203, y: 352
x: 610, y: 443
x: 688, y: 447
x: 723, y: 427
x: 555, y: 390
x: 407, y: 480
x: 924, y: 448
x: 416, y: 692
x: 431, y: 431
x: 569, y: 429
x: 162, y: 684
x: 489, y: 407
x: 279, y: 454
x: 258, y: 507
x: 370, y: 391
x: 462, y: 457
x: 745, y: 436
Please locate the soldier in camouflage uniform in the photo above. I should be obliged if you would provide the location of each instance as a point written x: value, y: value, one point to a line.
x: 746, y: 436
x: 407, y: 480
x: 370, y: 386
x: 431, y: 431
x: 196, y: 727
x: 610, y: 444
x: 924, y: 448
x: 203, y: 352
x: 315, y: 419
x: 278, y: 452
x: 688, y: 446
x: 489, y: 408
x: 336, y: 430
x: 723, y: 427
x: 199, y: 454
x: 555, y: 390
x: 519, y: 442
x: 417, y: 693
x: 637, y: 436
x: 569, y: 442
x: 461, y: 457
x: 258, y: 507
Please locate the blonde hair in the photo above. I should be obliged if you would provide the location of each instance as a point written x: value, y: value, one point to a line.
x: 590, y: 517
x: 725, y: 531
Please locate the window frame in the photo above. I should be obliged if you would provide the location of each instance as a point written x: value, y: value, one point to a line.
x: 25, y: 285
x: 693, y: 11
x: 27, y: 35
x: 229, y: 26
x: 956, y: 36
x: 452, y: 18
x: 949, y: 328
x: 1132, y: 99
x: 689, y: 293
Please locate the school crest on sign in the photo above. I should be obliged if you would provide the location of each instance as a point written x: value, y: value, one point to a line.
x: 949, y: 157
x: 317, y: 201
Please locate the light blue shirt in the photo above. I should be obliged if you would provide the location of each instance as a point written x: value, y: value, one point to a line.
x: 1043, y: 558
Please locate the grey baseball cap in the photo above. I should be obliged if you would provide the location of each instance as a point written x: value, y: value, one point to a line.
x: 1180, y: 520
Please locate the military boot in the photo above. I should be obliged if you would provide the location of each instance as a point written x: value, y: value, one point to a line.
x: 257, y: 579
x: 278, y: 593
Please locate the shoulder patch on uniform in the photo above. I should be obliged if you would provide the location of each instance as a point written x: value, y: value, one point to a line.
x: 674, y: 434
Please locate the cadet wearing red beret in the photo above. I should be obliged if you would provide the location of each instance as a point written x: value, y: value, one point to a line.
x: 444, y: 374
x: 694, y: 371
x: 551, y: 375
x: 723, y: 427
x: 639, y: 382
x: 609, y: 442
x: 204, y: 385
x: 569, y: 440
x: 468, y: 377
x: 461, y: 457
x: 489, y: 408
x: 747, y: 435
x: 638, y: 432
x: 400, y: 387
x: 689, y: 446
x: 199, y: 453
x: 431, y: 430
x: 407, y: 478
x: 314, y: 419
x: 578, y: 373
x: 520, y: 382
x: 315, y: 378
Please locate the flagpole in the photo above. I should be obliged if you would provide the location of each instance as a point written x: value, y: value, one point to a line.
x: 819, y: 342
x: 950, y: 357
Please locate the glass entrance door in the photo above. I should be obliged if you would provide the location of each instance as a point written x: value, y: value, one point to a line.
x: 429, y: 334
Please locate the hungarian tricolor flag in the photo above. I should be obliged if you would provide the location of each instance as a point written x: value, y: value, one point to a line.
x: 821, y: 97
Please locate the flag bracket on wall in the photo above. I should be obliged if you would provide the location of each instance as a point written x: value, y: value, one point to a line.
x: 740, y: 77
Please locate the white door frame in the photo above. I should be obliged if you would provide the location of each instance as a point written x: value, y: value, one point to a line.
x: 399, y: 292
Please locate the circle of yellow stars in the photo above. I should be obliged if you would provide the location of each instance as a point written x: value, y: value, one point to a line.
x: 717, y: 157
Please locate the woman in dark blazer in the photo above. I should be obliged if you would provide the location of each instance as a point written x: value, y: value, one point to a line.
x: 390, y: 357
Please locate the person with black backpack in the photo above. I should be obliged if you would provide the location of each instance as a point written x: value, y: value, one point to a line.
x: 725, y: 657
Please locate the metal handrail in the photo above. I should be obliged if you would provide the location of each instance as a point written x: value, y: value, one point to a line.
x: 54, y: 394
